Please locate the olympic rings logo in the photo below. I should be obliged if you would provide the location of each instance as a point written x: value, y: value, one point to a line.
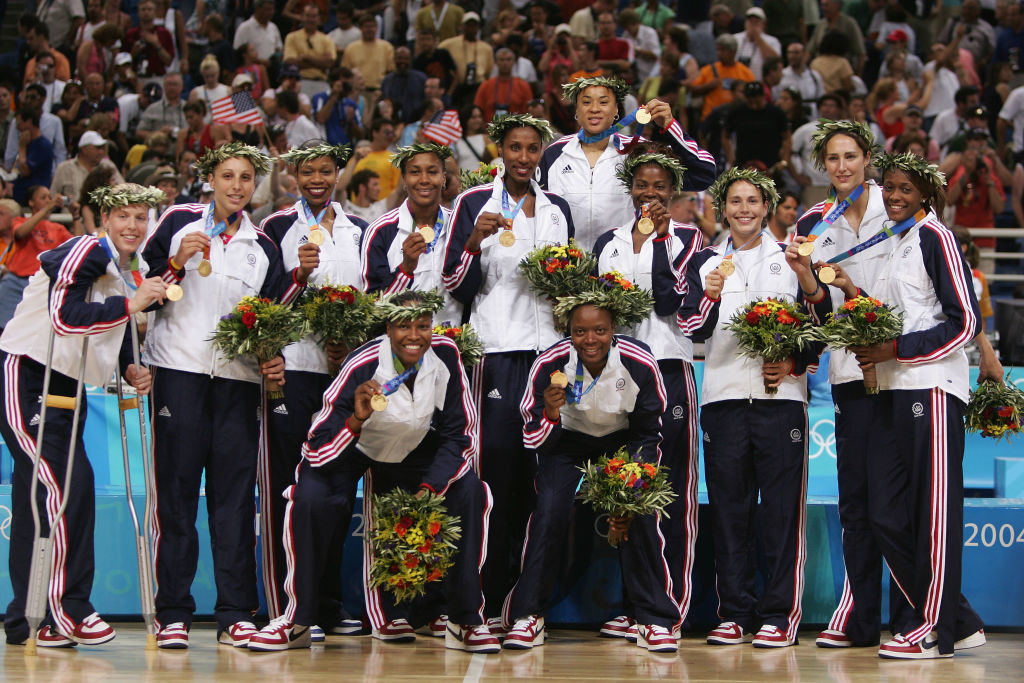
x: 5, y: 522
x: 822, y: 440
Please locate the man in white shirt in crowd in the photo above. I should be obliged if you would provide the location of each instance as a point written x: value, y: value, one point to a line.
x: 953, y: 119
x: 943, y: 71
x: 802, y: 166
x: 1011, y: 117
x: 260, y: 31
x: 298, y: 128
x: 645, y: 41
x: 46, y: 76
x: 523, y: 68
x: 800, y: 76
x: 346, y: 32
x: 584, y: 21
x: 364, y: 192
x: 70, y: 174
x: 753, y: 45
x: 63, y: 17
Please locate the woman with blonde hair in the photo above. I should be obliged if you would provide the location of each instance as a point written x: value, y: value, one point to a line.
x: 211, y: 89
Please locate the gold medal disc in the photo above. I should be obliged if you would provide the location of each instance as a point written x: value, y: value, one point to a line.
x: 645, y: 225
x: 643, y: 117
x: 559, y: 379
x: 426, y: 232
x: 805, y: 248
x: 379, y: 402
x: 204, y: 268
x: 174, y: 292
x: 507, y: 238
x: 727, y: 267
x: 827, y: 274
x: 316, y: 236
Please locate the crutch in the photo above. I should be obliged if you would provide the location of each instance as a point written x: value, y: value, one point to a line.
x: 142, y: 537
x: 42, y: 546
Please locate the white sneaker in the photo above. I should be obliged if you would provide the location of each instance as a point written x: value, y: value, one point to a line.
x: 280, y: 635
x: 655, y: 638
x: 238, y: 634
x: 477, y: 639
x: 527, y: 633
x: 976, y: 639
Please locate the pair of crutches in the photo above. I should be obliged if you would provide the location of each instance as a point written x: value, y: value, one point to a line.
x: 42, y: 546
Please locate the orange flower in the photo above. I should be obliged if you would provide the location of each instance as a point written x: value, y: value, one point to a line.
x: 411, y: 561
x: 850, y: 305
x: 650, y: 470
x: 434, y: 528
x: 785, y: 318
x: 434, y: 575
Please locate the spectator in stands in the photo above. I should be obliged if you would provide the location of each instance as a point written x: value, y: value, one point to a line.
x: 558, y: 53
x: 760, y: 130
x: 802, y: 167
x: 6, y: 112
x: 976, y: 118
x: 378, y: 158
x: 503, y: 94
x: 782, y: 222
x: 70, y: 174
x: 473, y: 57
x: 198, y: 136
x: 166, y: 116
x: 313, y: 52
x: 1010, y: 42
x: 540, y: 32
x: 584, y: 22
x: 34, y: 161
x: 953, y: 120
x: 95, y: 54
x: 613, y: 53
x: 721, y: 19
x: 975, y: 191
x: 834, y: 20
x: 785, y: 20
x: 260, y: 31
x: 364, y: 196
x: 441, y: 17
x: 347, y: 32
x: 433, y: 61
x: 792, y: 105
x: 298, y: 128
x: 523, y: 68
x: 289, y: 81
x: 50, y: 125
x: 218, y: 45
x: 100, y: 176
x: 753, y: 45
x: 978, y: 36
x: 772, y: 77
x: 474, y: 147
x: 38, y: 40
x: 404, y: 85
x: 947, y: 76
x: 715, y: 80
x: 211, y: 89
x: 677, y: 45
x: 654, y: 15
x: 560, y: 110
x: 643, y: 40
x: 912, y: 118
x: 63, y: 17
x: 336, y: 111
x: 800, y: 76
x: 372, y: 56
x: 151, y: 46
x: 831, y: 62
x: 46, y: 77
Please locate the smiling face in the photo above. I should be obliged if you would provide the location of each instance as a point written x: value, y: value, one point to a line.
x: 592, y: 330
x: 521, y: 150
x: 317, y: 179
x: 902, y: 198
x: 651, y: 182
x: 845, y: 163
x: 410, y: 339
x: 424, y: 178
x: 596, y: 109
x: 744, y: 212
x: 233, y: 181
x: 126, y: 226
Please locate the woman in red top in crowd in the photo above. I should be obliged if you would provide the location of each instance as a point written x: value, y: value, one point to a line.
x: 199, y: 136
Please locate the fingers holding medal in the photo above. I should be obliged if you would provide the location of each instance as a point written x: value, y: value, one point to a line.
x: 726, y: 267
x: 316, y: 236
x: 559, y: 379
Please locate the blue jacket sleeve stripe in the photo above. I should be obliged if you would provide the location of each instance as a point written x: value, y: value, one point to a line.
x: 469, y: 417
x: 64, y: 281
x: 344, y: 438
x: 369, y: 237
x: 534, y: 437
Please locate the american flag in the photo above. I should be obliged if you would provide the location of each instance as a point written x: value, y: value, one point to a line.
x: 443, y: 128
x: 237, y: 108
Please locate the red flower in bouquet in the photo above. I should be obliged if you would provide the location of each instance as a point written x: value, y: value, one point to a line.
x: 434, y: 528
x: 650, y: 470
x: 425, y: 548
x: 871, y: 316
x: 249, y: 319
x: 1006, y: 411
x: 434, y: 575
x: 752, y: 317
x: 411, y: 561
x: 786, y: 319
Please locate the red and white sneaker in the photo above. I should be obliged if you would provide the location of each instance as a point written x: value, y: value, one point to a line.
x: 976, y: 639
x: 477, y: 639
x: 771, y: 636
x: 900, y: 648
x: 655, y: 638
x: 631, y: 633
x: 238, y: 634
x: 831, y: 638
x: 497, y: 628
x: 437, y: 627
x: 172, y: 637
x: 527, y: 633
x: 92, y: 631
x: 729, y: 633
x: 617, y: 627
x: 49, y: 637
x: 395, y: 631
x: 280, y: 635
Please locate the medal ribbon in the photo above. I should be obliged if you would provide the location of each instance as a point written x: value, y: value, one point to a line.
x: 313, y: 222
x: 833, y: 214
x: 212, y: 230
x: 729, y: 249
x: 133, y: 264
x: 881, y: 236
x: 610, y: 130
x: 506, y: 210
x: 438, y: 226
x: 577, y: 386
x: 391, y: 386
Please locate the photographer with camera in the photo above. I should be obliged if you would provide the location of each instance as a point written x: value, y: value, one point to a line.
x: 975, y: 191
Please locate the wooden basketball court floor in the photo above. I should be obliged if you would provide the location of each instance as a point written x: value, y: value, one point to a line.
x: 568, y: 655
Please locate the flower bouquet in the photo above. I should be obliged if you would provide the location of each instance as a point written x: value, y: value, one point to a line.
x: 557, y: 270
x: 633, y: 304
x: 995, y: 409
x: 258, y: 327
x: 770, y: 330
x: 413, y: 542
x: 862, y: 321
x: 624, y: 486
x: 338, y: 314
x: 485, y: 173
x: 470, y: 347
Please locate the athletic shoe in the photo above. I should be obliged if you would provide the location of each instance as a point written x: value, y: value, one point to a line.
x: 238, y: 634
x: 346, y: 627
x: 831, y: 638
x: 631, y: 633
x: 617, y: 627
x: 729, y: 633
x: 771, y: 636
x: 497, y: 628
x: 316, y: 634
x: 438, y: 627
x: 92, y: 631
x: 900, y: 648
x: 172, y: 637
x: 280, y: 635
x: 655, y: 638
x: 976, y: 639
x: 49, y: 637
x: 395, y: 631
x: 677, y: 631
x: 476, y: 639
x: 527, y: 633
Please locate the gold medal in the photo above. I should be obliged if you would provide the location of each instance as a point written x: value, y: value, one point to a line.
x: 174, y: 292
x: 805, y: 248
x: 645, y: 226
x: 643, y: 117
x: 426, y: 232
x: 316, y: 236
x: 379, y: 402
x: 827, y: 274
x: 204, y: 268
x: 559, y: 379
x: 507, y: 238
x: 727, y: 267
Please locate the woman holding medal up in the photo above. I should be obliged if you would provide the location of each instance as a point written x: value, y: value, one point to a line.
x: 582, y: 167
x: 399, y: 411
x: 90, y: 285
x: 754, y: 442
x: 313, y: 225
x: 403, y: 249
x: 494, y: 226
x: 652, y: 252
x: 916, y: 444
x: 207, y: 408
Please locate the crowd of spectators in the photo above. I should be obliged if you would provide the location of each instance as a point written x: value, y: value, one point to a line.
x: 100, y: 90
